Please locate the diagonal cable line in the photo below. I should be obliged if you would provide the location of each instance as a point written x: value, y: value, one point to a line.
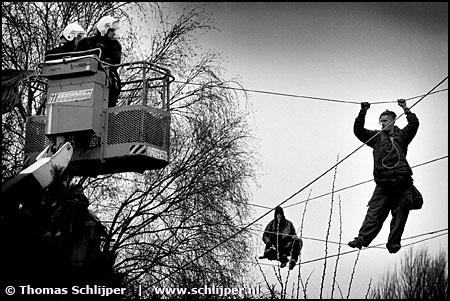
x: 293, y: 195
x: 373, y: 247
x: 410, y: 98
x: 360, y: 183
x: 257, y: 231
x: 290, y: 205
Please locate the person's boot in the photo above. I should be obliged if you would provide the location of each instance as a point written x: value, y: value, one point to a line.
x: 283, y: 261
x: 394, y: 248
x: 356, y: 243
x: 292, y: 264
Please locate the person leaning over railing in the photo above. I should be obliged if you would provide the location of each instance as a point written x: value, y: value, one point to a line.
x: 72, y: 34
x: 111, y: 52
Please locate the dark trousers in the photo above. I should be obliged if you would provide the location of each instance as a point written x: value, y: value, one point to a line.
x: 291, y: 248
x: 396, y: 199
x: 114, y: 88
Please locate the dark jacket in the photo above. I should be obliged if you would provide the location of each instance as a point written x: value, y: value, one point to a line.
x: 111, y: 48
x: 112, y: 54
x: 285, y: 232
x: 66, y: 47
x: 389, y: 162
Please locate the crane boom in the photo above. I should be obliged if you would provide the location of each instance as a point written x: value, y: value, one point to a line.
x: 40, y: 174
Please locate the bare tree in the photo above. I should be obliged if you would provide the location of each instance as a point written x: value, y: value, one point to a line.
x: 28, y: 30
x: 160, y: 220
x: 420, y: 276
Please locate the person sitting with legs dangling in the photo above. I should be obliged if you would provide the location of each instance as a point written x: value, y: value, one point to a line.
x: 281, y: 240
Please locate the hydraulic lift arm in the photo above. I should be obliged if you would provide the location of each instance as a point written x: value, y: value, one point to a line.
x: 39, y: 175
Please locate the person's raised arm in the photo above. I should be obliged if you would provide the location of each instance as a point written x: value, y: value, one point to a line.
x: 410, y: 130
x: 360, y: 132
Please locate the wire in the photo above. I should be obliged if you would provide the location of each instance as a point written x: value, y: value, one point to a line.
x: 303, y: 96
x: 303, y: 237
x: 291, y: 205
x: 309, y: 184
x: 360, y: 183
x: 288, y: 95
x: 372, y: 247
x: 411, y: 98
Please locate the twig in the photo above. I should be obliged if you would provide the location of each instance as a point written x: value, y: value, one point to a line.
x: 353, y: 273
x: 265, y: 279
x: 300, y: 255
x: 368, y: 289
x: 340, y: 291
x: 283, y: 294
x: 328, y: 230
x: 339, y: 248
x: 280, y: 280
x: 306, y: 285
x: 293, y: 289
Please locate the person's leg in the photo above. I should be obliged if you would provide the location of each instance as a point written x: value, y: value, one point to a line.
x: 269, y: 253
x: 283, y: 260
x: 296, y: 247
x: 283, y: 252
x: 399, y: 216
x: 114, y: 89
x: 373, y: 222
x: 295, y: 251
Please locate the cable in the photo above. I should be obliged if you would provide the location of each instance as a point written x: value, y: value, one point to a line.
x: 303, y: 96
x: 317, y: 259
x: 303, y: 237
x: 338, y: 243
x: 289, y: 95
x: 411, y: 98
x: 374, y: 246
x: 309, y: 184
x: 360, y: 183
x: 294, y: 204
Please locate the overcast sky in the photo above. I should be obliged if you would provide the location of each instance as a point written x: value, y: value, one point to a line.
x: 349, y: 51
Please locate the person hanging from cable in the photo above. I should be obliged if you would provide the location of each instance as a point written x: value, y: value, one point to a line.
x: 394, y: 191
x: 281, y: 240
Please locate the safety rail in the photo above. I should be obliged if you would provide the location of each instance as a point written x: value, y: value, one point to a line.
x: 161, y: 77
x: 73, y: 56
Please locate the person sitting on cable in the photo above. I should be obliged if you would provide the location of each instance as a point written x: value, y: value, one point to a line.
x: 281, y: 240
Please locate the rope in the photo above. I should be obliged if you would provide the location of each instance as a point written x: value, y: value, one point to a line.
x: 334, y: 255
x: 304, y: 96
x: 411, y: 98
x: 360, y: 183
x: 308, y: 97
x: 309, y: 184
x: 372, y: 247
x: 291, y: 205
x: 303, y: 237
x: 398, y: 155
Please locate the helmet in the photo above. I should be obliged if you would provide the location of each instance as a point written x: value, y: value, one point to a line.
x: 106, y: 23
x: 72, y: 30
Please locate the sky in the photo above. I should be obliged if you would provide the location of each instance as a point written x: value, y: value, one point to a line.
x: 347, y: 51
